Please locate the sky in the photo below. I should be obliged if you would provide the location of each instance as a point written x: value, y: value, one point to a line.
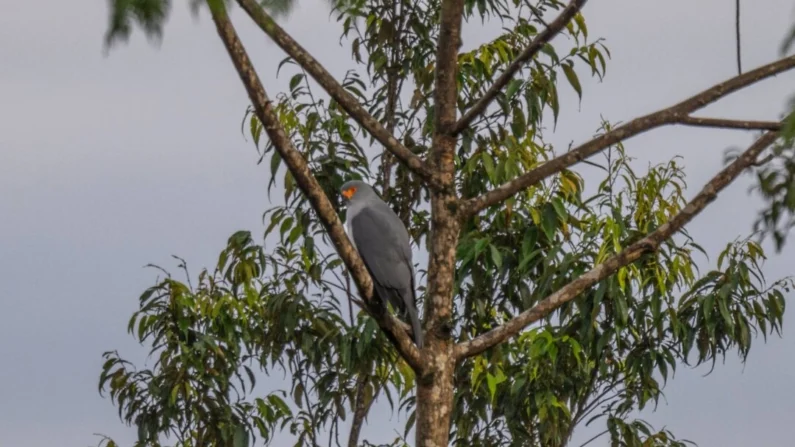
x: 108, y: 163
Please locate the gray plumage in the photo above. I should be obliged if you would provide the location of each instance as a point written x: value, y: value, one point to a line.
x: 383, y: 244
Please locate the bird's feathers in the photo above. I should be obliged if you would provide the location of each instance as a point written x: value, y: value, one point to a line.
x: 384, y: 246
x: 381, y: 247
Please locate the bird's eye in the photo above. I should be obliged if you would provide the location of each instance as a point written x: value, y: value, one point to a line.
x: 348, y: 193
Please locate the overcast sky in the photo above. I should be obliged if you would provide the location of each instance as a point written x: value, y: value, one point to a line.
x: 107, y: 164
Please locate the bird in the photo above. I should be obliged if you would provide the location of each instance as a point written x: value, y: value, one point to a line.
x: 384, y: 246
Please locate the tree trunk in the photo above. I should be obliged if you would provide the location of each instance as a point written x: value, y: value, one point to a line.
x: 435, y: 398
x: 435, y: 381
x: 435, y: 384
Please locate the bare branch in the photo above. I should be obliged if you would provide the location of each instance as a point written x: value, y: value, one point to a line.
x: 394, y: 85
x: 737, y: 36
x: 734, y: 84
x: 677, y: 114
x: 552, y: 30
x: 335, y: 90
x: 595, y: 437
x: 630, y: 254
x: 763, y: 161
x: 360, y: 412
x: 309, y: 186
x: 730, y: 124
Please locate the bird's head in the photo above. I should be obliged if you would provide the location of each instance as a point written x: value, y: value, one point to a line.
x: 356, y: 190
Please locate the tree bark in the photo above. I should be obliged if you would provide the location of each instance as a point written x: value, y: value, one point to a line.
x: 362, y: 407
x: 435, y: 399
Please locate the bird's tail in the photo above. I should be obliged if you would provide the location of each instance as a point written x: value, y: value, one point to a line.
x: 416, y: 326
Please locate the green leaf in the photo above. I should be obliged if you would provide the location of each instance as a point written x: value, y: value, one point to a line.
x: 786, y: 45
x: 519, y: 123
x: 256, y: 129
x: 708, y: 306
x: 488, y: 164
x: 174, y: 394
x: 241, y: 437
x: 560, y: 209
x: 149, y: 15
x: 549, y: 222
x: 549, y: 50
x: 410, y: 423
x: 493, y: 380
x: 295, y: 80
x: 496, y: 257
x: 568, y: 70
x: 621, y: 307
x: 580, y: 20
x: 513, y: 86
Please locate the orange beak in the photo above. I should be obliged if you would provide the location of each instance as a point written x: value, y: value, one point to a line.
x: 348, y: 193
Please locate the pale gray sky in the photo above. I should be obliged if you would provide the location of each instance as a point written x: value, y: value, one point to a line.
x: 107, y: 164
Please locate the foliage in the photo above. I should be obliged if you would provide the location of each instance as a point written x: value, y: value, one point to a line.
x: 288, y: 309
x: 776, y: 185
x: 618, y: 340
x: 254, y: 312
x: 776, y: 180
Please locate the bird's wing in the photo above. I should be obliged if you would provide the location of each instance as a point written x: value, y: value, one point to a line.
x: 381, y: 247
x: 383, y: 244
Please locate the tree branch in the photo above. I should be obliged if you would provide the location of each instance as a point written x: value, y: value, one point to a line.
x: 595, y: 437
x: 729, y: 123
x: 552, y: 30
x: 677, y: 114
x: 630, y: 254
x: 360, y: 412
x: 394, y: 85
x: 351, y: 105
x: 309, y: 186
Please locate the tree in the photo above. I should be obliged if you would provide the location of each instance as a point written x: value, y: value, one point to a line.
x: 546, y: 305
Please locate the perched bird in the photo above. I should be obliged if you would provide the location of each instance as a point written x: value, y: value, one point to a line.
x: 383, y: 244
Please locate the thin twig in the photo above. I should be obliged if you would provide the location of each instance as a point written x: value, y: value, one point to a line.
x: 763, y: 161
x: 361, y: 409
x: 737, y: 37
x: 594, y: 438
x: 394, y: 86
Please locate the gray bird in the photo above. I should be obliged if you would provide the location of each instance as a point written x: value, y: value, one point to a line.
x: 383, y: 244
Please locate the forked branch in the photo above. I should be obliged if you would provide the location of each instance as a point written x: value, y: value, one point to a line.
x: 554, y: 28
x: 350, y: 104
x: 677, y: 114
x: 630, y: 254
x: 305, y: 180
